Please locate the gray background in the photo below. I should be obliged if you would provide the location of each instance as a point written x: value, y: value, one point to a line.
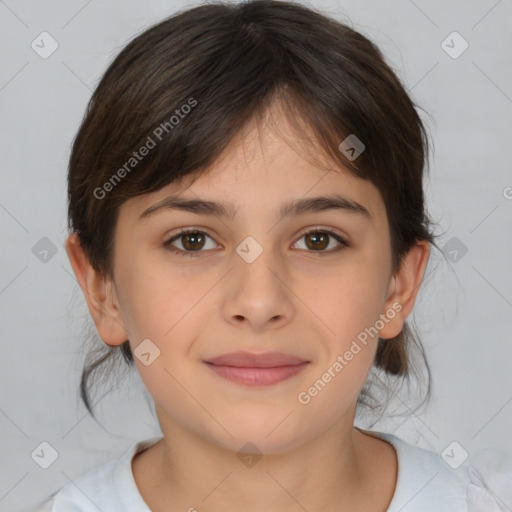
x: 465, y: 309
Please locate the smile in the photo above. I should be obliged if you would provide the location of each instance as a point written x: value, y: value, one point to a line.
x: 256, y: 369
x: 257, y: 376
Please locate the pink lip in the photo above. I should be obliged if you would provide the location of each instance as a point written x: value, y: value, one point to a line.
x: 257, y: 369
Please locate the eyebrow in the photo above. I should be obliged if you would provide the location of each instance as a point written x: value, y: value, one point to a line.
x: 290, y: 208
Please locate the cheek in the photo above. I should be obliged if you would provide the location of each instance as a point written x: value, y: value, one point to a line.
x: 162, y: 306
x: 156, y: 297
x: 349, y: 299
x: 167, y: 307
x: 349, y: 306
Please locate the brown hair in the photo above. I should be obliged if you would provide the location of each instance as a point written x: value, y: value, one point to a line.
x: 228, y: 63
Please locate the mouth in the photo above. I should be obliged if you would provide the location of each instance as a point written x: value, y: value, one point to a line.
x: 256, y: 369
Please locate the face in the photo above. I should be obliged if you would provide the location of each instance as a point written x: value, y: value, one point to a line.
x: 314, y: 284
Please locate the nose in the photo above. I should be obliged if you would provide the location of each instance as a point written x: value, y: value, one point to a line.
x: 257, y: 293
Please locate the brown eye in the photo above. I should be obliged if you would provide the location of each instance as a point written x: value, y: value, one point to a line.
x: 192, y: 241
x: 317, y: 240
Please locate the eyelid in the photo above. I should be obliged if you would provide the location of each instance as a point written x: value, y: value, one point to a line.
x: 189, y: 229
x: 323, y: 229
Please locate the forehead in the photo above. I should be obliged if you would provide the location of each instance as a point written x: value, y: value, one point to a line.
x: 265, y: 165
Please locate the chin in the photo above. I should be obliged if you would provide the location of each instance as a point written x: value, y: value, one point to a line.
x: 261, y: 434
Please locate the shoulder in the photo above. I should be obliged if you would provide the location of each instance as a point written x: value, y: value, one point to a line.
x: 449, y: 482
x: 490, y: 489
x: 110, y: 486
x: 425, y: 481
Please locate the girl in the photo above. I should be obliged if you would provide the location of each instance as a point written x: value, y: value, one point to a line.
x: 249, y: 231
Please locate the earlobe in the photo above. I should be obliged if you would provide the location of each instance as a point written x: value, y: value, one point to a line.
x: 404, y: 287
x: 99, y: 294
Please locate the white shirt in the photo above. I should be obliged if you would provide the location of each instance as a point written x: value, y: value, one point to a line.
x: 425, y: 483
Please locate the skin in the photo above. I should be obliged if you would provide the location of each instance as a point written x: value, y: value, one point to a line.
x: 291, y: 299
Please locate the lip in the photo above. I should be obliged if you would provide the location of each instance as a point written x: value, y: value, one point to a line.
x: 256, y: 369
x: 250, y: 360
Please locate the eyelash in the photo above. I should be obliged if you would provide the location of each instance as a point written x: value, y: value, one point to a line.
x: 180, y: 252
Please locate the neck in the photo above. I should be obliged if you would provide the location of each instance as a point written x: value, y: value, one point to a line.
x: 330, y: 472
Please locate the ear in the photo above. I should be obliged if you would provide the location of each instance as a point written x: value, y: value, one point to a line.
x: 403, y: 288
x: 99, y: 293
